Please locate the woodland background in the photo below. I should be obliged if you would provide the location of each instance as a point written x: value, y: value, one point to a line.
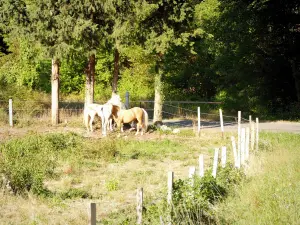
x: 244, y: 53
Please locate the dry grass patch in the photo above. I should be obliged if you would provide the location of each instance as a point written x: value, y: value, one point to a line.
x: 108, y: 170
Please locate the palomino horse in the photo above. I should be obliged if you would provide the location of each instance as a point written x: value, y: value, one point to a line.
x: 133, y: 114
x: 103, y: 111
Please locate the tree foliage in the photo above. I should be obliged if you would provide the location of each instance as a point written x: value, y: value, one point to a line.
x: 244, y: 53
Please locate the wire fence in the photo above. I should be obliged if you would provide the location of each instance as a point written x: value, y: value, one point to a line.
x: 188, y: 110
x: 26, y: 111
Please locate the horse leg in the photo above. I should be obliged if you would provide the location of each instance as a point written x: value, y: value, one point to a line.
x: 110, y: 124
x: 122, y: 127
x: 86, y: 121
x: 104, y: 125
x: 138, y: 125
x: 142, y: 129
x: 87, y: 118
x: 91, y: 121
x: 120, y: 123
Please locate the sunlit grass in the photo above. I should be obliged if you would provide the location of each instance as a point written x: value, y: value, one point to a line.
x: 108, y: 171
x: 271, y: 195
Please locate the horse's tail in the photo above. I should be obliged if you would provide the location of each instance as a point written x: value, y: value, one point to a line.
x: 146, y: 118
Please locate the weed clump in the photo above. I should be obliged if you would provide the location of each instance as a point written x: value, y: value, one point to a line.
x: 25, y: 163
x: 193, y: 199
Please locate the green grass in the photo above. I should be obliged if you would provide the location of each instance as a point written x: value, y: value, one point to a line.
x: 76, y: 170
x: 271, y: 194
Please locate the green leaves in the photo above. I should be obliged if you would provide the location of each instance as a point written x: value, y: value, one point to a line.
x: 27, y: 162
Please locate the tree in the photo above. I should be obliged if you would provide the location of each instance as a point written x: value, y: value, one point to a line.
x: 48, y: 24
x: 107, y: 19
x: 58, y: 27
x: 122, y: 33
x: 256, y: 52
x: 93, y: 15
x: 163, y: 26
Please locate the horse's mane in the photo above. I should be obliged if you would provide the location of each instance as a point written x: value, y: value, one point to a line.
x: 115, y: 110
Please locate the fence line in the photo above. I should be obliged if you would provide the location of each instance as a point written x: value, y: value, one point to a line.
x: 192, y: 173
x: 65, y: 112
x: 240, y: 158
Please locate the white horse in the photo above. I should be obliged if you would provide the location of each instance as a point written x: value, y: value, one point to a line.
x: 103, y: 111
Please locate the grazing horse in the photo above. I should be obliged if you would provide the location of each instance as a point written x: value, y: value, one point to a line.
x: 116, y: 103
x: 134, y: 114
x: 103, y: 111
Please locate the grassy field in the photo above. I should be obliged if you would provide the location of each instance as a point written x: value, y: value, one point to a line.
x: 54, y: 176
x: 271, y: 192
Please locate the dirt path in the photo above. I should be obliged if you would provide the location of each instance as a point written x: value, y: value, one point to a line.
x: 280, y: 126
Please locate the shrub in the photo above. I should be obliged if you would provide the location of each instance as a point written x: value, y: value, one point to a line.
x: 74, y: 193
x: 112, y: 185
x: 193, y: 199
x: 229, y: 176
x: 3, y: 116
x: 105, y: 149
x: 26, y: 162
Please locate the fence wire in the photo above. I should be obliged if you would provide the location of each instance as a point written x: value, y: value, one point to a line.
x: 24, y: 110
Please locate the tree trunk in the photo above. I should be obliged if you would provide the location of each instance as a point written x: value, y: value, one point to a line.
x: 158, y: 99
x: 116, y: 70
x: 296, y: 75
x: 90, y: 80
x: 55, y: 91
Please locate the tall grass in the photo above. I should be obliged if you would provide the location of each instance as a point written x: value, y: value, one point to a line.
x: 72, y: 170
x: 271, y: 195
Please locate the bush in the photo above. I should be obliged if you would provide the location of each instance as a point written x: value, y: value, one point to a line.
x: 193, y: 199
x: 229, y: 176
x: 25, y: 163
x: 74, y: 193
x: 3, y: 116
x: 105, y: 149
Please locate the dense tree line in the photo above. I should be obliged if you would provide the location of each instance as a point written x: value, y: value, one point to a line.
x: 241, y: 52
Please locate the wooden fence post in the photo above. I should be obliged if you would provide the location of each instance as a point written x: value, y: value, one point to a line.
x: 215, y: 165
x: 10, y: 110
x: 257, y: 137
x: 92, y: 214
x: 221, y: 122
x: 139, y: 206
x: 192, y: 174
x: 161, y: 220
x: 199, y: 116
x: 201, y: 165
x: 234, y: 152
x: 170, y: 186
x: 192, y: 171
x: 223, y: 156
x: 239, y: 158
x: 247, y: 143
x: 169, y: 198
x: 243, y: 134
x: 250, y: 120
x: 239, y: 131
x: 252, y: 136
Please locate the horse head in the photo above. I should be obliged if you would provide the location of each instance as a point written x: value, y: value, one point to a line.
x: 115, y: 100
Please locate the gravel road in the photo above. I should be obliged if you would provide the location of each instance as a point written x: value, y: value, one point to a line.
x: 279, y: 126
